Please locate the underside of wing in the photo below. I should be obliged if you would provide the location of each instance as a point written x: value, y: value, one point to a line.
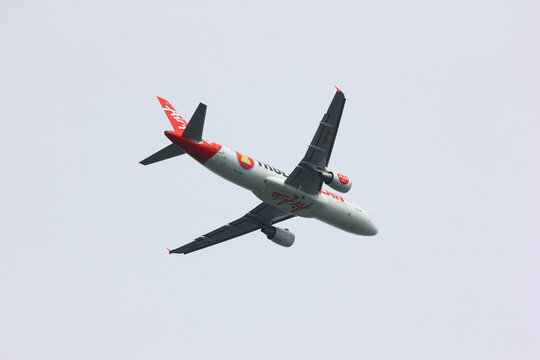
x: 307, y: 174
x: 262, y: 215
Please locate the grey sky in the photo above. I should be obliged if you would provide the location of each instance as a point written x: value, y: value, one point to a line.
x: 439, y: 136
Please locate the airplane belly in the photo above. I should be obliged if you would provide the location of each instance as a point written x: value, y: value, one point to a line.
x: 346, y: 216
x: 340, y: 216
x: 289, y: 199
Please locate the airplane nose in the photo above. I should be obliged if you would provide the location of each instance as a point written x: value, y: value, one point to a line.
x: 372, y: 229
x: 368, y: 227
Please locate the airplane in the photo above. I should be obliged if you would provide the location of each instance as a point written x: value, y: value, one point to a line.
x: 283, y: 195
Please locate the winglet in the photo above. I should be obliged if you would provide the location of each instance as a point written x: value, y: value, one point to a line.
x: 170, y: 252
x: 338, y: 89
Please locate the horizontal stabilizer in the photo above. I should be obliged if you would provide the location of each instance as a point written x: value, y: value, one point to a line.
x: 194, y: 128
x: 163, y: 154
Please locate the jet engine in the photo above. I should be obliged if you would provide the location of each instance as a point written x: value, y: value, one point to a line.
x: 336, y: 181
x: 278, y: 235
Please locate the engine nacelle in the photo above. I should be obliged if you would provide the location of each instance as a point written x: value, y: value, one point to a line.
x: 337, y: 181
x: 278, y: 235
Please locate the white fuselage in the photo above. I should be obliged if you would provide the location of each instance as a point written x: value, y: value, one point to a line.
x: 268, y: 184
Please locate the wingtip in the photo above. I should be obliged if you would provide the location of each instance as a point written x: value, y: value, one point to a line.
x: 169, y: 250
x: 338, y: 89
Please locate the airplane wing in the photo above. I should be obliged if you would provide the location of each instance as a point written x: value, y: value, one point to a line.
x: 262, y: 215
x: 306, y: 176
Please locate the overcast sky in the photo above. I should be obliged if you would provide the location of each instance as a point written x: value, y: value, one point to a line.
x: 440, y: 136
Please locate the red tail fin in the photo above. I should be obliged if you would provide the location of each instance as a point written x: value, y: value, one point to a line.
x: 177, y: 121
